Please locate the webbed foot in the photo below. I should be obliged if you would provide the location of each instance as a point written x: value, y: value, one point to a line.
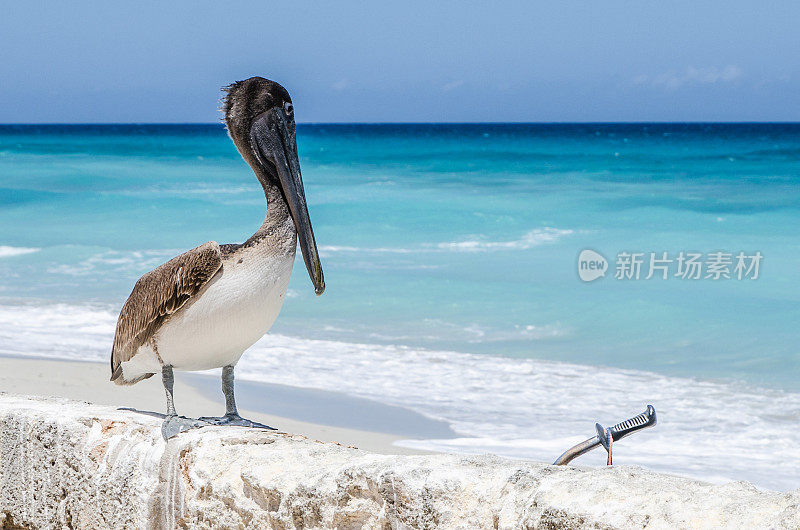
x: 237, y: 421
x: 174, y: 425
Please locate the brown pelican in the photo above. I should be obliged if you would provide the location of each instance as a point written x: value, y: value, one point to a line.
x: 204, y: 308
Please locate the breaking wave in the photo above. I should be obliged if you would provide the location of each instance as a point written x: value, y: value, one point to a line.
x: 6, y: 251
x: 522, y: 408
x: 529, y: 240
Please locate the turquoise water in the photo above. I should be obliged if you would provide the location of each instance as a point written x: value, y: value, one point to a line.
x: 107, y: 203
x: 437, y: 238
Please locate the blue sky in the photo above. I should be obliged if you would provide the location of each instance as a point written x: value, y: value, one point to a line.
x: 404, y: 61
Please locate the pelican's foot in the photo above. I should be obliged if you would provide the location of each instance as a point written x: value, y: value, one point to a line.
x: 174, y: 425
x: 236, y: 420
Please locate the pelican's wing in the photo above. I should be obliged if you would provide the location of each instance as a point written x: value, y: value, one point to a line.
x: 158, y: 294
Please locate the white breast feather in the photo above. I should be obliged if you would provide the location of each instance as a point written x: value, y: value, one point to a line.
x: 235, y: 310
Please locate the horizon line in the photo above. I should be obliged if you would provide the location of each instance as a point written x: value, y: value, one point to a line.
x: 635, y: 122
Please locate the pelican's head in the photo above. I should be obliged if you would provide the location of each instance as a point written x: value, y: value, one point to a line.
x: 260, y: 120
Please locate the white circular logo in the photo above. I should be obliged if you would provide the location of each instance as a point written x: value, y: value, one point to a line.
x: 591, y: 265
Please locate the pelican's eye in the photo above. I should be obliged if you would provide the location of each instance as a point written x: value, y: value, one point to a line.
x: 287, y: 107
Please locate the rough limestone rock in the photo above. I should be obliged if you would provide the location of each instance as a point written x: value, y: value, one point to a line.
x: 65, y: 464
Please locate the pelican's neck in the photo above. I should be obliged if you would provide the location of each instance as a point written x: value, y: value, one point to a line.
x: 278, y: 229
x: 277, y: 209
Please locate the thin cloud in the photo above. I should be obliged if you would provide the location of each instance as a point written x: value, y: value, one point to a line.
x: 691, y: 76
x: 452, y: 85
x: 340, y: 85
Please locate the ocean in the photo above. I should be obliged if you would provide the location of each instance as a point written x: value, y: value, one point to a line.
x: 451, y: 258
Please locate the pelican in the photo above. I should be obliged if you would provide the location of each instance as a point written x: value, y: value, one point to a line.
x: 204, y: 308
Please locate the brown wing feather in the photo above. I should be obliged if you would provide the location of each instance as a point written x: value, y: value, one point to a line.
x: 156, y: 295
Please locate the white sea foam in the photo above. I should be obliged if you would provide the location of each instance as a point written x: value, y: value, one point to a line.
x: 521, y: 408
x: 133, y: 261
x: 535, y: 409
x: 332, y: 249
x: 529, y: 240
x: 57, y: 330
x: 197, y: 189
x: 438, y: 330
x: 6, y: 251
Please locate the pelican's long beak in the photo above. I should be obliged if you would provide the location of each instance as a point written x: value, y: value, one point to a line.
x: 274, y: 145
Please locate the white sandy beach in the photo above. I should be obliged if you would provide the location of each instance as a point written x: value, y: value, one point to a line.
x: 88, y: 381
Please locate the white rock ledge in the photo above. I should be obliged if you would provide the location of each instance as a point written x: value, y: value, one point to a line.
x: 75, y: 465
